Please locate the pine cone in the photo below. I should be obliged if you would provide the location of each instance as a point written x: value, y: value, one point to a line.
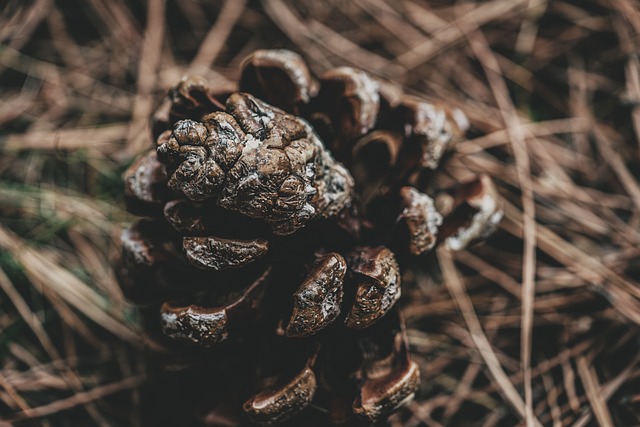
x: 271, y: 262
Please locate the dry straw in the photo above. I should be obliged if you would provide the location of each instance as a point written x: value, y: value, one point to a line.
x: 539, y: 326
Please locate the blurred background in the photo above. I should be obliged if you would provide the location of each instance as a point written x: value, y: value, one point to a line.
x: 541, y: 323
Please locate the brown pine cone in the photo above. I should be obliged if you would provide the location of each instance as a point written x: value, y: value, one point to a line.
x: 268, y: 267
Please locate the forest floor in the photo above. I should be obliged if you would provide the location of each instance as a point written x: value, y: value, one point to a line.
x: 538, y: 326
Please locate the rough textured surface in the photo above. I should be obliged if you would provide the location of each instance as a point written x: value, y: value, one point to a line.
x: 194, y: 324
x: 421, y: 219
x: 277, y: 405
x: 219, y: 254
x: 318, y: 299
x: 259, y: 161
x: 377, y: 279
